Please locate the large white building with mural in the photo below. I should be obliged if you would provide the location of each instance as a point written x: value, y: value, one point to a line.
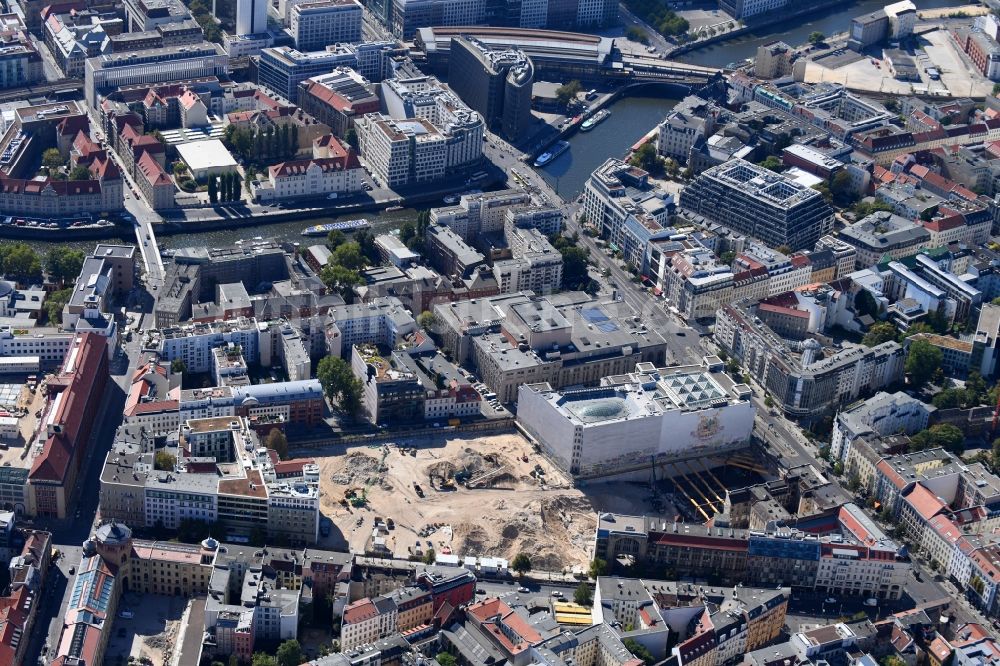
x: 638, y: 421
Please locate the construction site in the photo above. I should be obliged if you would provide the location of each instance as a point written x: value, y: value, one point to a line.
x: 494, y: 496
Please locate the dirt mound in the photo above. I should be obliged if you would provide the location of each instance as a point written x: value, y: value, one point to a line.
x: 359, y: 468
x: 440, y: 470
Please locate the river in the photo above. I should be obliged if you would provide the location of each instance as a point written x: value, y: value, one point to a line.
x: 795, y: 32
x: 630, y: 119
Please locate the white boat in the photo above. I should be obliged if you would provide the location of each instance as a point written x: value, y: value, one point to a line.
x: 552, y: 153
x: 595, y: 120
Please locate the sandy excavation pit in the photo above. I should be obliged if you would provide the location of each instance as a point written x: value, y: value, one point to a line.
x: 490, y: 495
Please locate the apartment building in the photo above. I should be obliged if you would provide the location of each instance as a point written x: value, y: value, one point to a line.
x: 223, y: 475
x: 367, y: 620
x: 383, y: 322
x: 697, y: 284
x: 840, y: 551
x: 882, y: 415
x: 486, y: 213
x: 801, y: 385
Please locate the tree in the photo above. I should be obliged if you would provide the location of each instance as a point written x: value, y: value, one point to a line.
x: 234, y: 660
x: 79, y: 172
x: 165, y: 461
x: 351, y: 137
x: 335, y: 239
x: 339, y: 383
x: 635, y: 34
x: 237, y: 187
x: 891, y: 660
x: 921, y: 360
x: 773, y: 163
x: 567, y: 92
x: 647, y: 159
x: 340, y: 279
x: 996, y: 453
x: 841, y: 187
x: 942, y: 435
x: 180, y: 168
x: 879, y: 332
x: 429, y: 556
x: 598, y: 567
x: 63, y: 264
x: 52, y: 159
x: 427, y: 320
x: 213, y: 189
x: 263, y: 659
x: 178, y: 366
x: 446, y: 659
x: 54, y: 304
x: 20, y: 262
x: 636, y: 648
x: 276, y: 440
x: 582, y: 595
x: 283, y: 140
x: 863, y: 209
x: 349, y: 256
x: 816, y: 37
x: 865, y: 304
x: 289, y: 653
x: 727, y: 257
x: 521, y: 563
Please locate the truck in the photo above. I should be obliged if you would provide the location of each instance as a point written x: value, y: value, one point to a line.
x: 454, y: 422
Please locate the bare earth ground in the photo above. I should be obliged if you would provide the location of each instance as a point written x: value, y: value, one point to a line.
x: 517, y: 510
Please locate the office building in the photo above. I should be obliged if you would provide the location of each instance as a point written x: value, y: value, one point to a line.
x: 106, y: 73
x: 630, y: 212
x: 428, y: 134
x: 337, y: 173
x: 496, y: 83
x: 564, y: 340
x: 316, y: 23
x: 652, y: 416
x: 251, y: 17
x: 282, y: 68
x: 482, y: 213
x: 405, y: 17
x: 759, y: 203
x: 338, y: 99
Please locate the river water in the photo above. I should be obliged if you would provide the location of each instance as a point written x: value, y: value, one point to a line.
x: 796, y: 32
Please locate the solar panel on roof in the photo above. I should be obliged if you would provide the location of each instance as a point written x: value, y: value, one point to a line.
x: 599, y: 319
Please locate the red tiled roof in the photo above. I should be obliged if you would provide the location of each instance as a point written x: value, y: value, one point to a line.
x: 924, y: 502
x: 296, y: 167
x: 152, y: 171
x: 83, y: 375
x: 359, y: 611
